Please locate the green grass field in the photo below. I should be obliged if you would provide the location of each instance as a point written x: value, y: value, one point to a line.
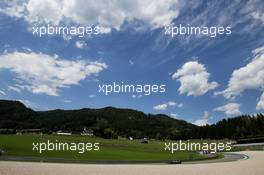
x: 19, y: 147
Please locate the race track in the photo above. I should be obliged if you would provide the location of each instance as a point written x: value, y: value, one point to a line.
x: 254, y: 165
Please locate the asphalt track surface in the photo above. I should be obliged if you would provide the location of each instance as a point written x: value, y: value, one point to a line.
x: 228, y: 157
x: 242, y: 163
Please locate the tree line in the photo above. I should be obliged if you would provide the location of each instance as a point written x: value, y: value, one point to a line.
x: 112, y: 122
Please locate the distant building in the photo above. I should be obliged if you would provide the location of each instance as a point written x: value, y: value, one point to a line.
x: 204, y: 152
x: 63, y: 133
x: 31, y: 131
x: 7, y: 131
x: 144, y: 140
x: 87, y: 132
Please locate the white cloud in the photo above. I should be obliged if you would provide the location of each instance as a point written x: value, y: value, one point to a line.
x: 80, y: 44
x: 136, y: 96
x: 260, y: 104
x: 28, y: 103
x: 14, y: 88
x: 91, y: 96
x: 106, y: 13
x: 200, y: 122
x: 250, y: 76
x: 164, y: 106
x: 44, y: 74
x: 171, y: 103
x: 105, y: 30
x: 66, y: 37
x: 161, y: 107
x: 180, y: 105
x: 259, y: 50
x: 259, y: 16
x: 229, y: 109
x: 193, y: 78
x: 131, y: 62
x: 2, y: 92
x: 174, y: 115
x: 204, y: 120
x: 67, y: 101
x: 254, y: 9
x: 14, y: 8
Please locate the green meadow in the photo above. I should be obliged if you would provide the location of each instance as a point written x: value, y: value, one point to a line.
x: 19, y: 147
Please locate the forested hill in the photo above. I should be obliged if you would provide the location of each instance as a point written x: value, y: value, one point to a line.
x: 105, y: 122
x: 111, y: 122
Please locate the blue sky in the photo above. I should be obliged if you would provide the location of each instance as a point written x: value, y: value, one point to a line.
x: 206, y: 78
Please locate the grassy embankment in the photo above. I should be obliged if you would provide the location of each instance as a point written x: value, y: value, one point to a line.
x: 19, y: 147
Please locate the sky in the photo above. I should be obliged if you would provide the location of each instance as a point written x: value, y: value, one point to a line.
x: 206, y: 78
